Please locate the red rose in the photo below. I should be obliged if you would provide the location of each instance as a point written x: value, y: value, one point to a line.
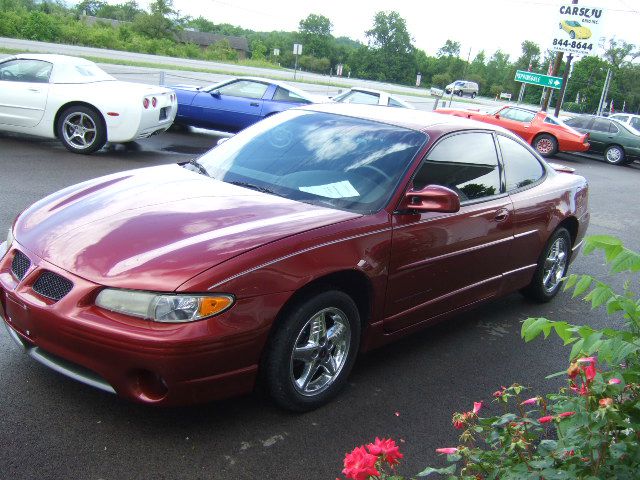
x: 360, y: 465
x: 590, y: 372
x: 387, y: 449
x: 546, y: 419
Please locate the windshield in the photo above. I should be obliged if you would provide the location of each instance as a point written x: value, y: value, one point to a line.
x: 319, y: 158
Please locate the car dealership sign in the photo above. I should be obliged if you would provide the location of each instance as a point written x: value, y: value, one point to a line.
x: 578, y: 30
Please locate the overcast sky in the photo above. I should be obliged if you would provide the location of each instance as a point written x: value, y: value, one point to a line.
x: 476, y: 24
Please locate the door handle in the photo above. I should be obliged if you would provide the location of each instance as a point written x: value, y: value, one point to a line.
x: 254, y: 104
x: 501, y: 215
x: 36, y: 90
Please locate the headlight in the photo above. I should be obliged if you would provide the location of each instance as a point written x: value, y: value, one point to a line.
x: 169, y: 308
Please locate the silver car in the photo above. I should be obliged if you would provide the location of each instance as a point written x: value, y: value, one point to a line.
x: 628, y: 118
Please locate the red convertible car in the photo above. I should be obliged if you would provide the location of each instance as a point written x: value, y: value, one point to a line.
x: 546, y: 133
x: 280, y: 254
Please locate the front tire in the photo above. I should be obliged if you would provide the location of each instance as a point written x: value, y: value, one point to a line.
x: 552, y: 266
x: 81, y: 129
x: 615, y: 155
x: 313, y: 350
x: 546, y: 145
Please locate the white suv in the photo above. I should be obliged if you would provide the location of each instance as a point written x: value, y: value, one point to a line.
x: 628, y: 118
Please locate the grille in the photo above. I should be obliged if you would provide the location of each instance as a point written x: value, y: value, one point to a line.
x: 20, y: 265
x: 52, y: 285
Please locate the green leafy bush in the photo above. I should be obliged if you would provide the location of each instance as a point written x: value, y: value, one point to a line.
x: 589, y: 430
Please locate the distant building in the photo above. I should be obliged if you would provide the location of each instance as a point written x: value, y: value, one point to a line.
x: 202, y: 39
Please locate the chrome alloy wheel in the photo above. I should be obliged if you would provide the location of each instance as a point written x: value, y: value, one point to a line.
x: 320, y: 351
x: 555, y: 265
x: 79, y: 130
x: 614, y: 155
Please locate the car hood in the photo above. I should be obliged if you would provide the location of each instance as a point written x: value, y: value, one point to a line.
x: 155, y: 228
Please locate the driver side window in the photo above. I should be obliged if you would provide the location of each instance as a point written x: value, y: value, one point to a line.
x: 24, y: 70
x: 467, y: 163
x: 244, y: 88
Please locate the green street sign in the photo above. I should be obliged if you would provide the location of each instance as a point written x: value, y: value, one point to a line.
x: 538, y: 79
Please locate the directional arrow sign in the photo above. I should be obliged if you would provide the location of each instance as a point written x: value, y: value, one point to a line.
x: 538, y: 79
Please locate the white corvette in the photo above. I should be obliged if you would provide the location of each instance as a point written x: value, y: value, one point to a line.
x: 72, y: 99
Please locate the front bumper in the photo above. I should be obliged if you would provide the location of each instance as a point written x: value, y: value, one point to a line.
x: 144, y: 361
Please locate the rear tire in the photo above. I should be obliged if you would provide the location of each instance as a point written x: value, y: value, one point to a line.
x: 313, y: 350
x: 546, y: 145
x: 473, y: 95
x: 552, y: 266
x: 615, y: 155
x: 81, y: 129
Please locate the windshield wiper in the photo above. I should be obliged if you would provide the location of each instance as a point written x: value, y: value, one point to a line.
x: 198, y: 166
x: 253, y: 186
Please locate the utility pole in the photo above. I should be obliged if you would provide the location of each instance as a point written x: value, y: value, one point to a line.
x: 565, y: 78
x: 556, y: 67
x: 605, y: 91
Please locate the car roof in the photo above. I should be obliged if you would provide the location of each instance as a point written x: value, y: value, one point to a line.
x: 53, y: 58
x: 413, y: 119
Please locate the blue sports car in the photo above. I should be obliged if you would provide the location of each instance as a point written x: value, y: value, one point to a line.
x: 235, y: 104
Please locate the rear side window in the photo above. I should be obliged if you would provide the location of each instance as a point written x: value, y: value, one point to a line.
x: 521, y: 167
x: 466, y: 163
x: 394, y: 103
x: 600, y: 125
x: 284, y: 95
x: 579, y: 122
x: 635, y: 123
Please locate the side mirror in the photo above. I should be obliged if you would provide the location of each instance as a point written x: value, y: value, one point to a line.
x: 497, y: 115
x: 215, y: 93
x: 432, y: 198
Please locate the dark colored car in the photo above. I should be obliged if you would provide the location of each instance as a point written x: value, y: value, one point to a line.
x: 235, y: 104
x: 283, y: 252
x: 544, y: 132
x: 619, y: 143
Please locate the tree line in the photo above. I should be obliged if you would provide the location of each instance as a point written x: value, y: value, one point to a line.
x: 388, y: 55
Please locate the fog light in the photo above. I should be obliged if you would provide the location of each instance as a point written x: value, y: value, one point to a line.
x: 151, y: 385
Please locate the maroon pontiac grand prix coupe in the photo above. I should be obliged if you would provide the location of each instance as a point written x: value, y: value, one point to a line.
x: 281, y: 253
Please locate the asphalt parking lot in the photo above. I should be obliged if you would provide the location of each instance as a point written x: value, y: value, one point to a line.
x: 54, y: 428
